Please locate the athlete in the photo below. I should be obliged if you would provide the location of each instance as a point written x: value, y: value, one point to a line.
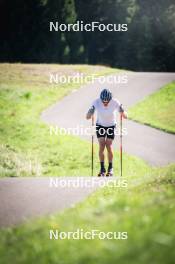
x: 106, y: 108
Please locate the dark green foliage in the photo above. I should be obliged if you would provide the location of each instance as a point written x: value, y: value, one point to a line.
x: 149, y: 43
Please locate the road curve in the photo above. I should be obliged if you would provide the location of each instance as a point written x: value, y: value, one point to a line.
x: 150, y: 144
x: 26, y: 198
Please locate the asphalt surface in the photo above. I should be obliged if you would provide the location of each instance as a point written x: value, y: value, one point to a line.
x: 152, y: 145
x: 26, y: 198
x: 23, y: 199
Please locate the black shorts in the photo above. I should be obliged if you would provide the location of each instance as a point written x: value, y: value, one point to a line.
x: 106, y: 132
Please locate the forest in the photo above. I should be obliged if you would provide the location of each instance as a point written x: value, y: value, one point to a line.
x: 148, y: 44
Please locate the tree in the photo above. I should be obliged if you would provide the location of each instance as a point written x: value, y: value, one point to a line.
x: 20, y: 34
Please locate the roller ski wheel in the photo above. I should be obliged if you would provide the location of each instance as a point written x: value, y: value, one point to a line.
x: 101, y: 173
x: 110, y: 173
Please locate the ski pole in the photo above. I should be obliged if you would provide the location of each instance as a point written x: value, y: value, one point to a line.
x: 121, y: 145
x: 92, y: 150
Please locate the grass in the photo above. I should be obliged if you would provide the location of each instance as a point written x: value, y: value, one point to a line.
x: 145, y: 211
x: 26, y: 147
x: 157, y: 110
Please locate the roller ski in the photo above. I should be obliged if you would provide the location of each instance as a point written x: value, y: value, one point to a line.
x: 110, y: 173
x: 102, y: 173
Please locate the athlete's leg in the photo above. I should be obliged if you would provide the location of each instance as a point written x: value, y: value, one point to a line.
x: 101, y: 141
x: 109, y: 149
x: 110, y: 156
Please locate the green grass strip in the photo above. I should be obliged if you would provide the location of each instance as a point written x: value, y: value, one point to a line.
x: 157, y: 110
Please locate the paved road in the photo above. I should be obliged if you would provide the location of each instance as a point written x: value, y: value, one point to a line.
x: 23, y: 199
x: 152, y: 145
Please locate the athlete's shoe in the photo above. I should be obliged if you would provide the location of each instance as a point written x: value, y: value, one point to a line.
x: 102, y: 173
x: 110, y: 172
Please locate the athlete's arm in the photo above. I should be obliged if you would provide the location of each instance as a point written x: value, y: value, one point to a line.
x: 90, y: 112
x: 123, y: 112
x: 125, y: 115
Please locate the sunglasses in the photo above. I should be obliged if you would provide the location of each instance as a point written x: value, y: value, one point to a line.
x: 105, y: 102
